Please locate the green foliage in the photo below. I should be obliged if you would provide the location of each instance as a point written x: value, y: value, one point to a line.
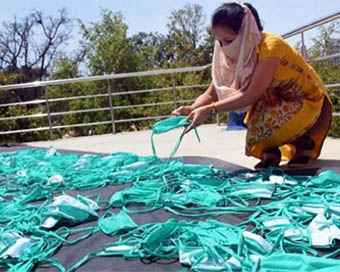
x: 7, y: 96
x: 108, y: 50
x: 25, y: 123
x: 328, y: 72
x: 335, y: 127
x: 107, y: 46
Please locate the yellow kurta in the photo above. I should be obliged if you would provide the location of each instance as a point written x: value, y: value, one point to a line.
x: 291, y: 104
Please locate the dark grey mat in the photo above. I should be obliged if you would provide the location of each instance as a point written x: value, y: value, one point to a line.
x: 69, y: 255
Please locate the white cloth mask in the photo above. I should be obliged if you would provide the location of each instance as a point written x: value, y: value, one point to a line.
x: 233, y: 49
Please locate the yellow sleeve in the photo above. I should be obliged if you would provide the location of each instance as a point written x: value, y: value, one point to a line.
x: 272, y: 46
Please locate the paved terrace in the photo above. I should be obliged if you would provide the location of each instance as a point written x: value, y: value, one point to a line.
x: 216, y: 143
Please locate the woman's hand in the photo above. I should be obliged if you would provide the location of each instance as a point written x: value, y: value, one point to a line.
x: 198, y: 116
x: 184, y: 110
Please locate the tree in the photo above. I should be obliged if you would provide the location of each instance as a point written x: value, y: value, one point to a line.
x: 186, y: 31
x: 106, y: 44
x: 324, y: 40
x: 185, y: 46
x: 28, y: 48
x: 323, y: 45
x: 207, y: 47
x: 29, y: 45
x: 108, y: 50
x: 8, y: 111
x: 105, y: 48
x: 150, y: 49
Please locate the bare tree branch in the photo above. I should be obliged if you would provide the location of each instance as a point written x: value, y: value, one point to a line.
x: 32, y: 43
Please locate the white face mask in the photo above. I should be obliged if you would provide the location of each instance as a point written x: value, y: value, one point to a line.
x: 232, y: 50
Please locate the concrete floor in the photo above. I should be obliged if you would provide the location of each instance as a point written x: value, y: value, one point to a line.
x: 216, y: 142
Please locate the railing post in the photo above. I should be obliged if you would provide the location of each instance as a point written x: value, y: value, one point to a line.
x: 111, y: 107
x: 218, y: 119
x: 174, y: 90
x: 48, y: 114
x: 303, y: 47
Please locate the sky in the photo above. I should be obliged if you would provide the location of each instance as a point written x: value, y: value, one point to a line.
x: 278, y: 16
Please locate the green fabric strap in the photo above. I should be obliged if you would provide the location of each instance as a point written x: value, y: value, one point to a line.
x: 170, y: 124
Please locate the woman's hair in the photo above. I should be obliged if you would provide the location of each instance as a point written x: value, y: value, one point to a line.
x: 231, y: 16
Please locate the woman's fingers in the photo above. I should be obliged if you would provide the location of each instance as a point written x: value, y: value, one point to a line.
x: 190, y: 116
x: 183, y: 110
x: 177, y: 111
x: 197, y: 116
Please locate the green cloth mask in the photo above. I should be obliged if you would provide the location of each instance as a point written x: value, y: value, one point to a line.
x: 69, y: 210
x: 170, y: 124
x: 326, y: 178
x: 115, y: 223
x: 297, y: 262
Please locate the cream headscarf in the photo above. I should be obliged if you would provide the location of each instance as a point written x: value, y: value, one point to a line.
x: 230, y: 75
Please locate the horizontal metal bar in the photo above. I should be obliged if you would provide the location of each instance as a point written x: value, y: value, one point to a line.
x: 76, y: 97
x: 40, y: 101
x: 141, y: 119
x: 313, y: 24
x: 85, y: 111
x: 83, y: 125
x: 23, y: 130
x: 32, y: 102
x: 114, y: 108
x: 325, y: 57
x: 193, y: 86
x: 161, y: 89
x: 102, y: 77
x: 79, y: 111
x: 186, y: 101
x: 105, y: 95
x: 108, y: 108
x: 80, y: 97
x: 332, y: 85
x: 143, y: 105
x: 336, y: 113
x: 154, y: 90
x: 142, y: 91
x: 38, y: 115
x: 109, y: 122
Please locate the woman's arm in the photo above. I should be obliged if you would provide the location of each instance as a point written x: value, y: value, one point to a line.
x: 204, y: 99
x: 263, y: 75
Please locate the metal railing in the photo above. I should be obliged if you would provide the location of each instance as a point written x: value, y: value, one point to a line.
x: 110, y: 94
x: 301, y: 30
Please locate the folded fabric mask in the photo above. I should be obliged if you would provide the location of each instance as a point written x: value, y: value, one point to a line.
x: 170, y: 124
x: 69, y: 210
x: 115, y: 223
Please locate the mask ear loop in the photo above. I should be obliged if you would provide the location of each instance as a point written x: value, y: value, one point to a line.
x: 178, y: 143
